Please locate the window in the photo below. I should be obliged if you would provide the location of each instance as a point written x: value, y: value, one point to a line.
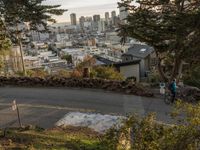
x: 143, y: 50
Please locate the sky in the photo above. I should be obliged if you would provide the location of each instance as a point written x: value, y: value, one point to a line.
x: 83, y: 7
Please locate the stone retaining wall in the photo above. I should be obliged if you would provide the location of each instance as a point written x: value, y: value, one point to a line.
x: 116, y: 86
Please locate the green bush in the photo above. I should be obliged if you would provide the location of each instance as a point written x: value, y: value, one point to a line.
x: 93, y: 73
x: 63, y: 74
x: 19, y: 73
x: 37, y: 73
x: 147, y: 134
x: 68, y: 58
x: 106, y: 73
x: 154, y: 78
x: 131, y: 79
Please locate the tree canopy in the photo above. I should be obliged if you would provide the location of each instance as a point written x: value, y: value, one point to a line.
x: 172, y: 27
x: 5, y: 42
x: 31, y: 11
x: 34, y: 12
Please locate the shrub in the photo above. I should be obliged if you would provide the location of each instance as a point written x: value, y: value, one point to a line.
x: 93, y: 73
x: 20, y: 73
x: 131, y: 79
x: 76, y: 74
x: 107, y: 73
x: 147, y: 134
x: 63, y: 74
x: 68, y: 58
x: 37, y: 73
x: 87, y: 62
x: 154, y: 78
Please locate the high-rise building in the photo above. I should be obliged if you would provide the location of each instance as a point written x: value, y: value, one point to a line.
x: 96, y: 18
x: 73, y: 18
x: 113, y: 16
x: 88, y: 19
x: 88, y: 23
x: 116, y: 21
x: 101, y: 25
x: 81, y: 21
x: 107, y: 16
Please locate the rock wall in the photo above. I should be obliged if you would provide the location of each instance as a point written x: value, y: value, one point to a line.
x: 115, y: 86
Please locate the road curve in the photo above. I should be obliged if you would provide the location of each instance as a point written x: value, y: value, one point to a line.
x: 45, y: 106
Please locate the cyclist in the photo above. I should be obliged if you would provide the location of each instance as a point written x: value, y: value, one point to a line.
x: 173, y: 88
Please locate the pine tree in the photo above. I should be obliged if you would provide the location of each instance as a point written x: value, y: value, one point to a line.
x: 5, y: 43
x: 172, y: 27
x: 34, y: 12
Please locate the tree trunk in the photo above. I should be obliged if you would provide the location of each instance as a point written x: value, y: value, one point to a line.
x: 177, y: 70
x: 5, y: 65
x: 180, y: 71
x: 161, y: 72
x: 22, y: 57
x: 21, y: 49
x: 160, y: 69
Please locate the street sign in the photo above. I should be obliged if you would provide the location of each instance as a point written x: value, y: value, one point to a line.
x: 15, y: 108
x: 14, y: 105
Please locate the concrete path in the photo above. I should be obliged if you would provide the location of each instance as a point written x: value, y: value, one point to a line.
x: 45, y: 106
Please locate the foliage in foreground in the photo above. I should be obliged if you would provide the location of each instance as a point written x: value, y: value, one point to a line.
x: 135, y: 134
x: 147, y: 134
x: 59, y: 139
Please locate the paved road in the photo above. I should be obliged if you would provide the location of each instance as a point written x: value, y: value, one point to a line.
x: 45, y: 106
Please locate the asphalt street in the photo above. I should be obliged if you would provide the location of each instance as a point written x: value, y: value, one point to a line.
x: 45, y: 106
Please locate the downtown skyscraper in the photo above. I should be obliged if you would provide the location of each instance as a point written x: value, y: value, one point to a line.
x: 73, y: 19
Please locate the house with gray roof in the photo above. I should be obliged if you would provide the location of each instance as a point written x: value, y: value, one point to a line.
x: 144, y: 53
x: 127, y: 69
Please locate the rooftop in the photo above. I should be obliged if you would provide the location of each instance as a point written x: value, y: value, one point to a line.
x: 139, y: 50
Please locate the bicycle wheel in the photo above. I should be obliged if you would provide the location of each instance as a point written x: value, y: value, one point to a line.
x: 167, y: 98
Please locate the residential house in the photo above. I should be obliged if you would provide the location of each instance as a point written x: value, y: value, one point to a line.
x: 145, y: 54
x: 127, y: 69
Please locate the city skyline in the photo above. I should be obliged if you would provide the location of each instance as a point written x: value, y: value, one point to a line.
x: 86, y: 8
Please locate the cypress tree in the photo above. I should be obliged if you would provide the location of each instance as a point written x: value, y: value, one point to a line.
x: 172, y: 27
x: 34, y: 12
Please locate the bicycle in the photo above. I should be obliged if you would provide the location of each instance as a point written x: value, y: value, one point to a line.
x: 168, y: 97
